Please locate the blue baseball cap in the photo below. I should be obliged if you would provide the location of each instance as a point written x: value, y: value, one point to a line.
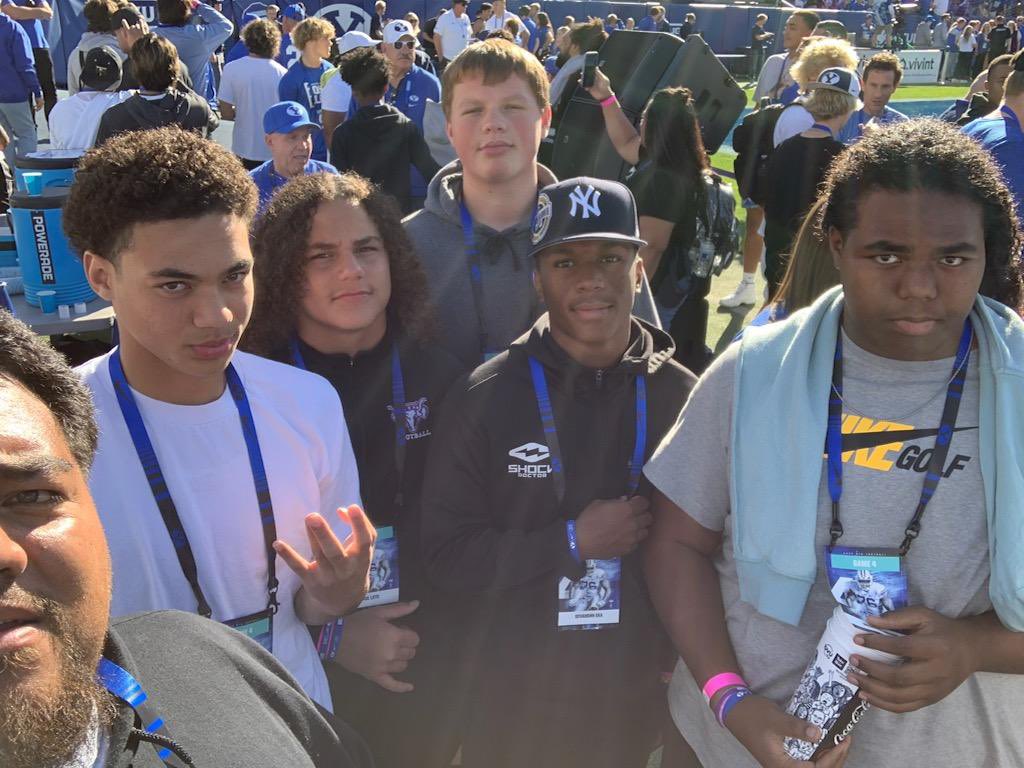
x: 285, y: 117
x: 295, y: 11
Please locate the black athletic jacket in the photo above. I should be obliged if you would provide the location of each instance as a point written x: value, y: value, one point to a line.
x: 225, y: 701
x: 494, y: 538
x: 364, y: 384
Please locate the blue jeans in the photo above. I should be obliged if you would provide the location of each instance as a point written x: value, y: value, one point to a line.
x: 17, y: 120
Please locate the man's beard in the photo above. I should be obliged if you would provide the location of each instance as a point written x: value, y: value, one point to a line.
x: 39, y: 729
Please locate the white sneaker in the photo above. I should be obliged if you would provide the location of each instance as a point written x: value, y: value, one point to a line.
x: 745, y: 293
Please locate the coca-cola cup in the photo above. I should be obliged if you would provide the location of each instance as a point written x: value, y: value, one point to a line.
x: 827, y: 696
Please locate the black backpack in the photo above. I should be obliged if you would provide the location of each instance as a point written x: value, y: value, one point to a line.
x: 753, y: 141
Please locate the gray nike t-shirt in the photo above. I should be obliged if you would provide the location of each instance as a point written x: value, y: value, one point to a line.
x: 978, y: 725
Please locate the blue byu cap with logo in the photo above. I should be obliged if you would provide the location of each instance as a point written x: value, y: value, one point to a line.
x: 584, y: 209
x: 285, y: 117
x: 296, y: 11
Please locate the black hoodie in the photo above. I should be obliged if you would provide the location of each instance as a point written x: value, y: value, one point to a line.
x: 224, y: 699
x: 182, y: 108
x: 494, y: 538
x: 380, y: 143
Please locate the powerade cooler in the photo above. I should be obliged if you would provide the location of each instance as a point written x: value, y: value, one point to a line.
x: 47, y: 262
x: 57, y: 166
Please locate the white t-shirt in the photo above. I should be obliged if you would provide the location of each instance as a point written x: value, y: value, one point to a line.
x: 967, y: 44
x: 74, y: 121
x: 496, y: 23
x: 310, y: 468
x: 336, y: 95
x: 793, y: 120
x: 455, y: 33
x: 250, y: 84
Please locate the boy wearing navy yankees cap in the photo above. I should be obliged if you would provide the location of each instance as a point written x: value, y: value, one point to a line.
x: 534, y: 505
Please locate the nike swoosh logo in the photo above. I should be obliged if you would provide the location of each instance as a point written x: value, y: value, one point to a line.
x: 861, y: 440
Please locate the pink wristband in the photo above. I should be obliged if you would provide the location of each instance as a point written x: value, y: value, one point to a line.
x: 609, y: 101
x: 720, y: 681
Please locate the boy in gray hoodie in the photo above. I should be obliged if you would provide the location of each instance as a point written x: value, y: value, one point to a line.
x: 473, y: 234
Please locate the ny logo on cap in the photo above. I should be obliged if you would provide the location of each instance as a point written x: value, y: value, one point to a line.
x: 831, y: 78
x: 585, y: 201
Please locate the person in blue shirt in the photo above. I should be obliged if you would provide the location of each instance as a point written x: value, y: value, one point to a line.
x: 20, y: 93
x: 881, y: 78
x: 288, y: 132
x: 197, y: 30
x: 291, y: 17
x: 409, y: 86
x: 649, y: 23
x: 301, y: 82
x: 1000, y: 132
x: 34, y: 17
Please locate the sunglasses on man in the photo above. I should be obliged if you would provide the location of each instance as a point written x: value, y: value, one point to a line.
x: 400, y: 44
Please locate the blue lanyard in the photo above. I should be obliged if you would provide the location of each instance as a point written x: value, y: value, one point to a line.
x: 162, y: 496
x: 834, y: 437
x: 475, y: 279
x: 398, y: 404
x: 547, y: 420
x: 120, y: 683
x: 822, y: 127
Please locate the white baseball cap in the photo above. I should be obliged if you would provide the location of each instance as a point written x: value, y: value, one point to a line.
x: 396, y: 30
x: 354, y: 39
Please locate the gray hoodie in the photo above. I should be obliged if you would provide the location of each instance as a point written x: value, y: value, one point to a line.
x: 510, y: 304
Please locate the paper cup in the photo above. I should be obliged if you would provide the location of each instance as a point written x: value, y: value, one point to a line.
x: 827, y: 696
x: 33, y: 183
x: 47, y: 301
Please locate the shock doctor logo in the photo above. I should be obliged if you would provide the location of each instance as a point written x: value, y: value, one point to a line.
x: 533, y: 454
x: 42, y: 240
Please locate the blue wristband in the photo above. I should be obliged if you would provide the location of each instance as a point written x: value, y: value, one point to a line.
x: 570, y: 532
x: 330, y: 639
x: 732, y: 698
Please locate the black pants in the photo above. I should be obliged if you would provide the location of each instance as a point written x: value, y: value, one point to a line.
x: 419, y: 729
x: 505, y: 731
x: 44, y: 70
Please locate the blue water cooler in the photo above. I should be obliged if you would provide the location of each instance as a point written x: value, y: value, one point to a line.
x: 47, y: 262
x: 57, y: 167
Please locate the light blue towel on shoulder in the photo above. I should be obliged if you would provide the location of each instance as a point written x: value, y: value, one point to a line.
x: 780, y: 409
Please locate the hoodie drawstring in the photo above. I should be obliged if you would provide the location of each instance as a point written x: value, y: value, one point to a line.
x: 159, y: 742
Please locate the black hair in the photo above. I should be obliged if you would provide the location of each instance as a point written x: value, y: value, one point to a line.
x: 933, y: 156
x: 27, y: 360
x: 143, y: 177
x: 366, y: 70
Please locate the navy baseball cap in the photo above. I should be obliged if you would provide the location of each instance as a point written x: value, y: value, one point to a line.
x: 285, y: 117
x: 294, y: 11
x: 584, y: 209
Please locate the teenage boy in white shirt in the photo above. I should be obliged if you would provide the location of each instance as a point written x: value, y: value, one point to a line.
x: 226, y: 483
